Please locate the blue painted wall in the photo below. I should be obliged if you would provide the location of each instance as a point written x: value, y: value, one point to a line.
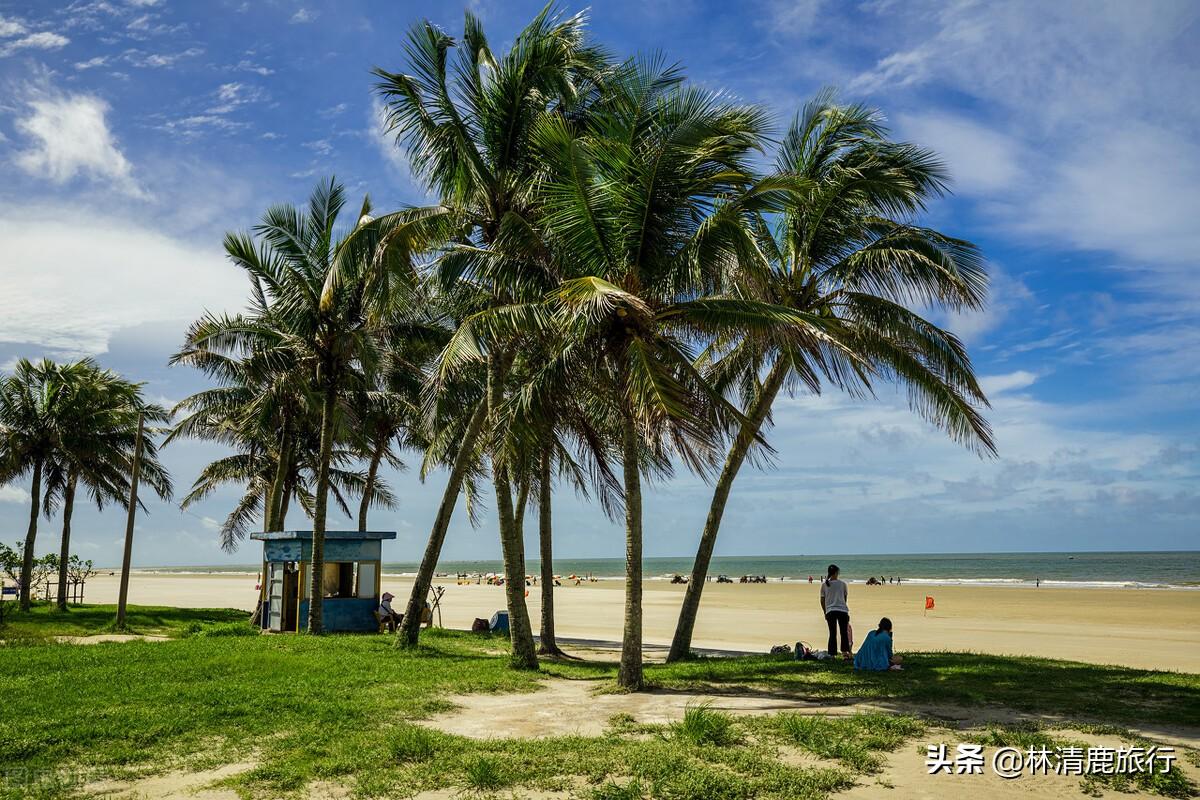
x: 345, y: 614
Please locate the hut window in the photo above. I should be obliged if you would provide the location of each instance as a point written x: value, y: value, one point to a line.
x: 339, y: 578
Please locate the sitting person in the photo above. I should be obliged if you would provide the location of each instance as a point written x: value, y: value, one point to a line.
x: 387, y: 616
x: 875, y: 653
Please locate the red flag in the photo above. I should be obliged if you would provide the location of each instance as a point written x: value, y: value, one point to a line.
x: 928, y: 602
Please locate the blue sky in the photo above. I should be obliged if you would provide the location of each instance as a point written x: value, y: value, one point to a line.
x: 133, y: 133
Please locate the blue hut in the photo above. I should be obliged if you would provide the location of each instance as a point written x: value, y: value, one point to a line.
x: 352, y: 565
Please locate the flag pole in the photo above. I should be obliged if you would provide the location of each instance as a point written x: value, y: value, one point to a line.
x: 129, y: 520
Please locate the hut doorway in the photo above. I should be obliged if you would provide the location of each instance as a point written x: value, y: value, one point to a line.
x: 283, y: 593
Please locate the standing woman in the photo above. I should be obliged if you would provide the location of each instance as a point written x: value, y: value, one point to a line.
x: 837, y: 612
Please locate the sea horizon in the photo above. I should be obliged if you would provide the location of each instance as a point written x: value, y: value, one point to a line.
x: 1079, y: 569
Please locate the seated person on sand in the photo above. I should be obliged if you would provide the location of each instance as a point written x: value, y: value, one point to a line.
x: 875, y: 653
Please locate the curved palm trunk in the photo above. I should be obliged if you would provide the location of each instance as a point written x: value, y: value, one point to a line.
x: 282, y: 465
x: 410, y: 629
x: 35, y: 492
x: 524, y: 652
x: 546, y: 642
x: 629, y: 675
x: 681, y: 644
x: 364, y: 505
x: 64, y: 553
x: 317, y: 584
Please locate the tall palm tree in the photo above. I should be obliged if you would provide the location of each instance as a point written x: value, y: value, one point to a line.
x: 846, y: 248
x: 97, y: 439
x: 303, y: 320
x: 647, y: 202
x: 465, y: 124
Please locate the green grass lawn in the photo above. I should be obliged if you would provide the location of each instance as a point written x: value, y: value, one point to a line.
x: 45, y: 621
x: 341, y: 709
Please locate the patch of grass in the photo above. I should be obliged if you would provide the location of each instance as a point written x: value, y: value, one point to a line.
x: 44, y: 621
x: 1106, y: 694
x: 339, y: 708
x: 486, y: 774
x: 611, y: 790
x: 856, y: 741
x: 411, y: 743
x: 703, y: 726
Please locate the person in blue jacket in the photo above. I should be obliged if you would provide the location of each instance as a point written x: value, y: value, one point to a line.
x: 875, y: 653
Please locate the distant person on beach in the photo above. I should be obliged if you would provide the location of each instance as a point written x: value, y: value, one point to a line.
x: 875, y: 653
x: 1037, y: 583
x: 836, y: 610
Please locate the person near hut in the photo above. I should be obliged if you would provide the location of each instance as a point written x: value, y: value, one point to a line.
x: 387, y: 615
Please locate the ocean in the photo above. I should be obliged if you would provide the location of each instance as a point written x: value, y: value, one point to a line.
x: 1124, y: 569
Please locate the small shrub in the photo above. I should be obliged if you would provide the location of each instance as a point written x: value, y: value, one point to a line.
x: 701, y: 725
x: 486, y: 774
x: 412, y: 743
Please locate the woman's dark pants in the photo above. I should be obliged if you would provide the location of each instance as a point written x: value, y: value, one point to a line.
x: 838, y: 620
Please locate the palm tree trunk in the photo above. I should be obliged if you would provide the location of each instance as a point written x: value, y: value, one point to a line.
x: 629, y: 675
x: 35, y: 492
x: 372, y: 472
x: 317, y: 584
x: 131, y: 517
x: 410, y: 628
x: 524, y: 652
x: 546, y: 642
x: 281, y: 470
x: 681, y: 643
x: 64, y: 553
x: 288, y: 487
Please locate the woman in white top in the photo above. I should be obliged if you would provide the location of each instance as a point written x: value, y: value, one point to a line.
x: 837, y: 612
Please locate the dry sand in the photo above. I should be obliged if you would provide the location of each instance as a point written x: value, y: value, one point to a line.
x: 1146, y: 628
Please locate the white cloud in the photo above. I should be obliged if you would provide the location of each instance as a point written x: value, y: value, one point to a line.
x: 70, y: 137
x: 161, y: 60
x: 92, y: 63
x: 10, y: 27
x: 302, y: 16
x: 246, y: 65
x: 980, y: 159
x: 998, y: 384
x: 68, y: 288
x: 42, y: 40
x: 14, y: 494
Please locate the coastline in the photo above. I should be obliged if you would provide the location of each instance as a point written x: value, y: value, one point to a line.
x: 1150, y: 629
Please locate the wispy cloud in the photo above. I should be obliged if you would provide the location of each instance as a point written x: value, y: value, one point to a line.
x: 161, y: 60
x: 302, y: 16
x: 42, y: 40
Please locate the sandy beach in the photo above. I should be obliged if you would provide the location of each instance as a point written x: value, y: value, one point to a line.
x: 1153, y: 629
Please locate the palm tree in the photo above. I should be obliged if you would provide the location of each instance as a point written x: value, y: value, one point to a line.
x: 97, y: 439
x: 466, y: 127
x: 32, y: 401
x: 646, y: 204
x: 63, y: 423
x: 845, y: 248
x: 318, y: 328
